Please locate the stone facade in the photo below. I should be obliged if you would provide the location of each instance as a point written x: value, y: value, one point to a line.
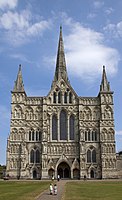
x: 61, y: 133
x: 119, y: 164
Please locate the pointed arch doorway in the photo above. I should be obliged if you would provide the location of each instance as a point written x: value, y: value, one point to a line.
x: 64, y: 170
x: 34, y: 174
x: 92, y: 174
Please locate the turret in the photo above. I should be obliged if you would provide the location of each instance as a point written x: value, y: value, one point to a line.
x: 105, y: 86
x: 18, y: 93
x: 19, y: 86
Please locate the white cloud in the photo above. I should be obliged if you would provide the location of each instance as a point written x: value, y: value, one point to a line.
x: 119, y: 132
x: 119, y: 28
x: 37, y: 28
x: 108, y: 11
x: 13, y: 20
x: 91, y: 15
x: 10, y: 4
x: 86, y: 52
x: 114, y: 30
x: 98, y: 4
x: 20, y: 27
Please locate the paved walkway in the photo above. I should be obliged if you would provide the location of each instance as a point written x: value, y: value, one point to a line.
x: 60, y: 186
x: 46, y: 194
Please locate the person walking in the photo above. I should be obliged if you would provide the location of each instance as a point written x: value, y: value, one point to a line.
x: 51, y: 189
x: 55, y: 189
x: 53, y: 178
x: 58, y: 177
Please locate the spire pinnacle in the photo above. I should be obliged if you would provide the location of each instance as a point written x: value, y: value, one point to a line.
x: 104, y: 87
x: 60, y: 28
x: 60, y: 63
x: 19, y: 86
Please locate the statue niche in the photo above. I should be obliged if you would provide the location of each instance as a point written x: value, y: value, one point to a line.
x: 108, y: 114
x: 87, y: 114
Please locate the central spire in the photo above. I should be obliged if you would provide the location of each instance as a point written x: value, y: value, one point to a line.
x: 60, y: 63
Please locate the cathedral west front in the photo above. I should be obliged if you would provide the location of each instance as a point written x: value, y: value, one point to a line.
x: 61, y: 133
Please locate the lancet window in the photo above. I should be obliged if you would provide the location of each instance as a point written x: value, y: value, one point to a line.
x: 34, y: 135
x: 65, y: 97
x: 71, y: 127
x: 70, y: 97
x: 62, y: 130
x: 54, y: 97
x: 59, y: 97
x: 35, y: 156
x: 91, y: 135
x: 54, y: 128
x: 32, y: 156
x: 91, y: 155
x: 63, y: 125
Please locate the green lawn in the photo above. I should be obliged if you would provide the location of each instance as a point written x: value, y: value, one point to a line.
x: 21, y: 190
x: 82, y: 190
x: 89, y: 190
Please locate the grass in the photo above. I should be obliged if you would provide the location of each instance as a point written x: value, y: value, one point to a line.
x: 21, y: 190
x: 102, y: 190
x: 81, y: 190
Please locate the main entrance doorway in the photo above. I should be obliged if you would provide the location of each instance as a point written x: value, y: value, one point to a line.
x: 64, y: 170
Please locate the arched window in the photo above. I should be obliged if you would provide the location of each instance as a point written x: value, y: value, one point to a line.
x: 63, y: 125
x: 32, y: 135
x: 59, y: 97
x: 71, y: 127
x: 37, y: 136
x: 88, y: 156
x: 37, y: 153
x: 54, y: 128
x: 95, y: 135
x: 89, y: 135
x: 54, y: 97
x: 65, y: 97
x: 70, y: 97
x: 94, y: 156
x: 85, y: 135
x: 29, y: 135
x: 32, y: 156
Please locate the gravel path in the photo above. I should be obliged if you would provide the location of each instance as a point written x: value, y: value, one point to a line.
x: 60, y: 190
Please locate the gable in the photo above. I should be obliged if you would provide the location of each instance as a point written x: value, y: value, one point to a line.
x: 62, y: 88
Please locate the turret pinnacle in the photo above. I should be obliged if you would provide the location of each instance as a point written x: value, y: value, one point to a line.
x: 104, y: 87
x: 19, y: 86
x: 60, y: 64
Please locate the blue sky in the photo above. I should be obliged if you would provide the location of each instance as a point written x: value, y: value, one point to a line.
x: 29, y: 32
